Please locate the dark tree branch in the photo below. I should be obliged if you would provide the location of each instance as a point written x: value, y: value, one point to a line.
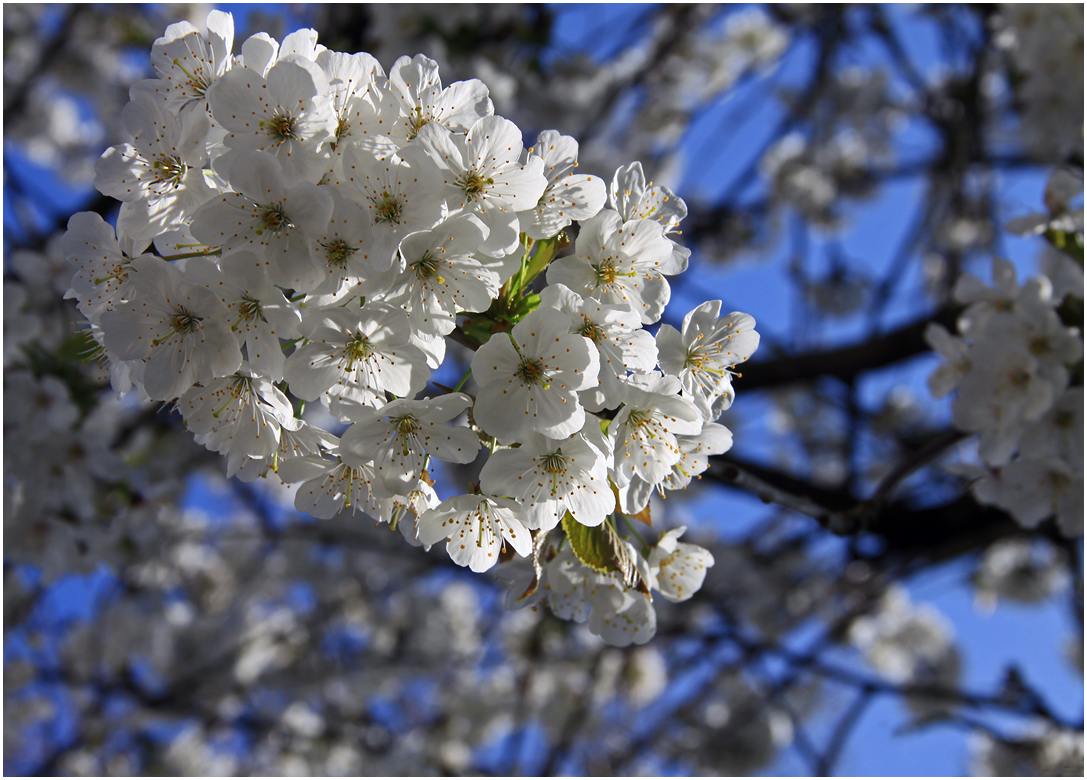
x: 845, y: 363
x: 843, y: 730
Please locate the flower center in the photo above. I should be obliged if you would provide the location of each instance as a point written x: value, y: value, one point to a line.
x: 183, y: 322
x: 281, y: 127
x: 406, y: 427
x: 554, y: 464
x: 639, y: 418
x: 531, y: 372
x: 249, y: 310
x: 337, y: 252
x: 239, y: 388
x: 343, y: 127
x: 701, y: 359
x: 416, y: 122
x: 387, y: 208
x: 198, y: 82
x: 1019, y: 377
x: 426, y: 267
x: 473, y: 184
x: 357, y: 349
x: 607, y: 273
x: 591, y: 331
x: 168, y: 170
x: 1039, y: 345
x: 272, y: 218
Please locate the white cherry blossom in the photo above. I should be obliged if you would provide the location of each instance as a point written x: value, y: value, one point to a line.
x: 619, y: 263
x: 336, y: 487
x: 529, y: 378
x: 189, y: 63
x: 478, y: 528
x: 361, y: 104
x: 179, y: 328
x: 616, y: 614
x: 401, y: 197
x: 483, y: 175
x: 703, y: 354
x: 569, y: 196
x: 714, y: 439
x: 298, y: 440
x: 259, y: 313
x: 417, y: 87
x: 645, y: 429
x: 102, y: 261
x: 238, y: 415
x: 346, y: 254
x: 634, y: 198
x: 403, y: 510
x: 680, y: 568
x: 285, y: 113
x: 267, y: 215
x: 159, y: 176
x: 552, y: 478
x: 400, y: 436
x: 354, y: 357
x: 617, y: 333
x: 441, y: 277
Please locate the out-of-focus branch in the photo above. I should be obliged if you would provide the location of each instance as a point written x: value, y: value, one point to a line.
x: 845, y: 363
x: 15, y: 98
x: 843, y: 730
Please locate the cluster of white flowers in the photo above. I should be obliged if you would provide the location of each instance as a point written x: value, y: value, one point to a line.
x: 1044, y: 750
x: 910, y: 644
x: 1045, y: 46
x: 1012, y: 367
x: 321, y: 228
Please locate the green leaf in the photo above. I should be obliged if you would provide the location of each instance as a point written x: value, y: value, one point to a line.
x: 595, y: 547
x: 545, y: 253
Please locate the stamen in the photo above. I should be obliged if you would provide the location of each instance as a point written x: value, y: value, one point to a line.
x: 337, y: 253
x: 199, y: 83
x: 426, y: 267
x: 406, y: 428
x: 416, y: 122
x: 555, y: 465
x: 248, y: 310
x: 168, y: 170
x: 273, y: 218
x: 387, y: 208
x: 357, y: 349
x: 592, y: 331
x: 607, y: 273
x: 531, y: 371
x: 281, y: 127
x: 473, y: 184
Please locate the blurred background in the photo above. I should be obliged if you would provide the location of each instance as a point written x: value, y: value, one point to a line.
x: 843, y: 166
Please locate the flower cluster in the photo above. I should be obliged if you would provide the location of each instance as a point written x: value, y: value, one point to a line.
x: 297, y: 225
x: 1014, y: 366
x: 1044, y: 46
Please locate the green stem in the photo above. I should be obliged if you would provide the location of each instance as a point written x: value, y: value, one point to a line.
x: 463, y: 379
x: 637, y: 535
